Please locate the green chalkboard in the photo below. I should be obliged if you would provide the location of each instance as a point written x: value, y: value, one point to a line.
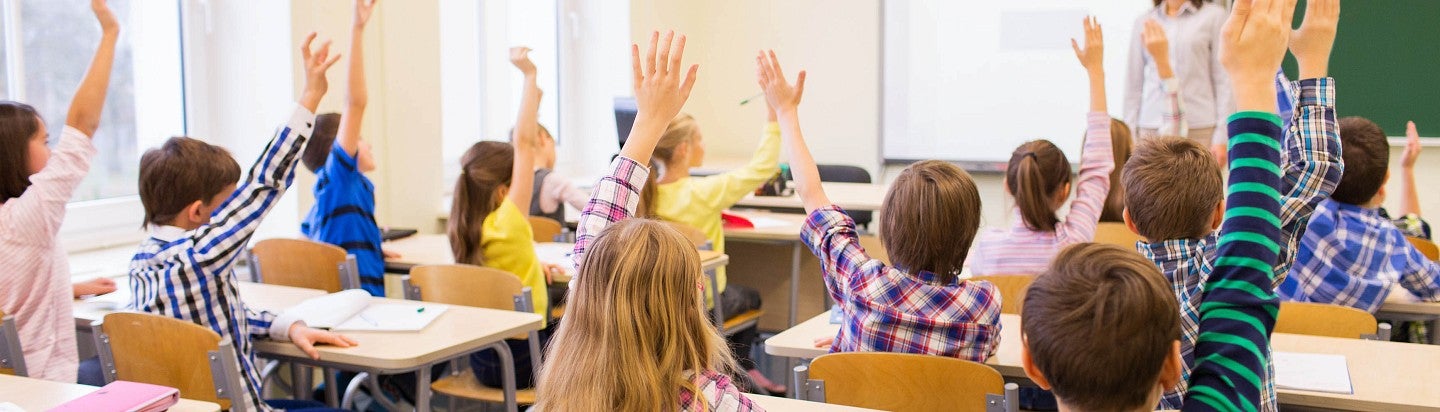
x: 1386, y: 63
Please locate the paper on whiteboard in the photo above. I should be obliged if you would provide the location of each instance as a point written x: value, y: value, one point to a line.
x: 1312, y: 372
x: 393, y: 317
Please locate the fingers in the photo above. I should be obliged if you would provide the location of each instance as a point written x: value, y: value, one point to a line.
x: 320, y: 54
x: 336, y: 340
x: 663, y: 66
x: 305, y: 46
x: 638, y: 72
x: 1287, y: 14
x: 689, y: 82
x: 333, y: 59
x: 303, y: 342
x: 775, y: 66
x: 1411, y: 132
x: 650, y: 54
x: 677, y: 55
x: 1078, y: 54
x: 799, y: 86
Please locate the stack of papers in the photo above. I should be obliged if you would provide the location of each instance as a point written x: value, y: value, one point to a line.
x: 1312, y: 372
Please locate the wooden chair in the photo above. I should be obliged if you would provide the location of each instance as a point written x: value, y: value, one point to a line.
x: 164, y: 351
x: 545, y: 229
x: 1425, y: 247
x: 12, y: 357
x: 1012, y: 290
x: 906, y: 382
x: 482, y: 287
x: 1321, y: 319
x: 304, y: 264
x: 1116, y: 233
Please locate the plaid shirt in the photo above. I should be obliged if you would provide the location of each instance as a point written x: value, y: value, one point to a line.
x: 1353, y: 256
x: 614, y: 199
x: 1312, y: 167
x: 889, y: 310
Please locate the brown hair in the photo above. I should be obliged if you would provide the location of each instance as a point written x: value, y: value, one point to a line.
x: 1099, y: 324
x: 322, y: 141
x: 932, y: 213
x: 483, y: 169
x: 682, y: 129
x: 1367, y: 160
x: 1172, y: 186
x: 635, y: 317
x: 1121, y: 144
x: 18, y: 124
x: 1196, y: 3
x: 180, y: 172
x: 1037, y: 171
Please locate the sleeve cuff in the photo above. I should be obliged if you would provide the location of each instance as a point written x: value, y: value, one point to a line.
x: 1317, y: 92
x: 1170, y: 85
x: 772, y: 129
x: 302, y: 121
x: 71, y: 136
x: 280, y: 327
x: 1098, y: 121
x: 821, y: 221
x: 630, y: 172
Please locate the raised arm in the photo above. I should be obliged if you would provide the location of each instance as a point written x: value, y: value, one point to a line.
x: 85, y: 107
x: 1097, y: 159
x: 527, y: 129
x: 1409, y: 197
x: 356, y: 95
x: 1313, y: 160
x: 784, y: 99
x: 1158, y: 45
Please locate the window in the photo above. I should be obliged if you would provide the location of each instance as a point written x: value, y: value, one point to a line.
x: 48, y: 46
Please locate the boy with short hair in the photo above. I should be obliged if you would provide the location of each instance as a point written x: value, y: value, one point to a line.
x: 1100, y: 326
x: 1351, y: 254
x: 1173, y: 196
x: 199, y: 222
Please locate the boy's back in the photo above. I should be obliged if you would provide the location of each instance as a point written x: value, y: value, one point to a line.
x: 344, y: 215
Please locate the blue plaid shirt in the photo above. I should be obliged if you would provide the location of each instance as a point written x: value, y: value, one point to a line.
x: 1353, y: 256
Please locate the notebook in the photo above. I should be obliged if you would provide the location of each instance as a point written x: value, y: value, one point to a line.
x: 1312, y: 372
x: 354, y: 310
x: 122, y: 396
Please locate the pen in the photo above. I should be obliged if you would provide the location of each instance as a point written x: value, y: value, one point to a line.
x: 748, y: 99
x: 420, y: 309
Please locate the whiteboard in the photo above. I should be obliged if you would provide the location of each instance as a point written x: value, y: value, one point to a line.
x: 969, y: 81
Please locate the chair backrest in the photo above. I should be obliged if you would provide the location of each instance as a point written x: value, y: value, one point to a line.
x: 1012, y: 290
x: 848, y: 174
x: 1321, y: 319
x: 545, y: 229
x: 301, y: 263
x: 1425, y: 247
x: 466, y: 285
x: 905, y: 382
x: 164, y: 351
x: 12, y: 356
x: 1115, y: 233
x: 696, y: 237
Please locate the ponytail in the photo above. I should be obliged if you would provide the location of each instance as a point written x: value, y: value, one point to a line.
x: 681, y: 130
x: 646, y: 208
x: 483, y: 169
x: 1037, y: 171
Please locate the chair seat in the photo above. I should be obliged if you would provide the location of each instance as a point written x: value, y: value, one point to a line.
x: 742, y: 321
x: 465, y: 385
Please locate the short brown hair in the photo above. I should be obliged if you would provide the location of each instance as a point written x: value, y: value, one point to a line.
x: 1367, y: 160
x: 1037, y: 170
x: 1121, y: 143
x: 180, y: 172
x: 317, y: 152
x: 18, y: 123
x: 1172, y: 186
x: 1099, y: 324
x: 932, y: 213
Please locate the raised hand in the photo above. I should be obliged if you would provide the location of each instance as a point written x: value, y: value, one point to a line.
x: 780, y: 95
x: 520, y: 57
x: 1412, y: 147
x: 1252, y: 44
x: 89, y: 100
x: 317, y: 62
x: 363, y: 10
x: 108, y: 23
x: 1092, y: 55
x: 1312, y: 43
x: 1158, y: 45
x: 660, y: 92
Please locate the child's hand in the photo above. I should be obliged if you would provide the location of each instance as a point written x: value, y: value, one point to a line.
x: 97, y: 286
x: 552, y: 270
x: 1159, y: 47
x: 363, y: 10
x: 520, y: 57
x: 779, y: 94
x: 1313, y: 42
x: 1412, y: 147
x: 1252, y: 44
x: 305, y: 338
x: 1092, y: 56
x: 108, y: 23
x: 825, y: 342
x: 659, y: 90
x: 317, y: 62
x: 390, y: 254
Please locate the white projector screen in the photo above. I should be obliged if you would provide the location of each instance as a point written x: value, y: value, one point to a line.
x: 969, y: 81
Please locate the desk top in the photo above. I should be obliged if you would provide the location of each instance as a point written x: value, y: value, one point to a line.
x: 259, y: 296
x: 774, y: 404
x: 769, y: 227
x: 38, y: 395
x: 850, y: 196
x: 1377, y: 369
x: 434, y: 249
x: 1401, y: 302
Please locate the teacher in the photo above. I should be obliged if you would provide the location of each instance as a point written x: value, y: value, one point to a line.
x: 1193, y: 30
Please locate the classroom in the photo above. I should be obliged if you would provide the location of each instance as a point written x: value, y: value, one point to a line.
x: 507, y: 205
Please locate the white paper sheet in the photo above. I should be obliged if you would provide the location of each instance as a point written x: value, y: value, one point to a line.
x: 327, y: 311
x: 393, y: 317
x: 762, y: 222
x: 1312, y: 372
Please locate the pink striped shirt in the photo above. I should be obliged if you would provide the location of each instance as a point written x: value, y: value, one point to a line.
x: 1020, y: 250
x: 35, y: 280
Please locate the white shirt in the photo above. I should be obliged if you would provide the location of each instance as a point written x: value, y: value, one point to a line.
x: 1194, y: 35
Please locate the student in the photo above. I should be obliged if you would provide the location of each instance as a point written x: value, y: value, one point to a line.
x: 932, y: 211
x: 1409, y: 219
x: 35, y: 185
x: 1039, y: 178
x: 674, y: 196
x: 637, y: 337
x: 1100, y: 325
x: 552, y: 190
x: 1351, y: 255
x: 1173, y: 194
x: 344, y: 211
x: 199, y: 221
x: 1172, y: 117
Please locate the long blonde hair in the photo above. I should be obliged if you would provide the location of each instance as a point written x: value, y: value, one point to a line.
x: 636, y: 330
x: 682, y: 129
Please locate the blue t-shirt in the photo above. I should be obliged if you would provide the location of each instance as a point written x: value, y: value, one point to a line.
x: 344, y: 215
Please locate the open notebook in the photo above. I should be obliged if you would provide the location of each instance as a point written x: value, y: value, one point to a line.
x: 354, y: 310
x: 1312, y: 372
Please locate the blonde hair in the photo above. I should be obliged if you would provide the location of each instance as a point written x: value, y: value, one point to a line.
x: 682, y: 129
x: 636, y: 331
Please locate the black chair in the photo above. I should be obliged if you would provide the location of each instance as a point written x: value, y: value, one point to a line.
x: 848, y: 174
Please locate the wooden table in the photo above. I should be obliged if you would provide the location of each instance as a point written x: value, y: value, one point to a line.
x: 1380, y: 372
x: 780, y: 229
x: 38, y: 395
x: 774, y: 404
x: 850, y: 196
x: 434, y: 249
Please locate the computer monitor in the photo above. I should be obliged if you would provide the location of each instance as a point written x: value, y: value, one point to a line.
x: 624, y: 117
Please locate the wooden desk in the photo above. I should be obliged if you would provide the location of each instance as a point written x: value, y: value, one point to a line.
x: 435, y: 250
x: 1403, y: 306
x: 1378, y: 370
x: 774, y: 404
x: 101, y: 263
x: 39, y: 395
x: 850, y: 196
x: 258, y: 296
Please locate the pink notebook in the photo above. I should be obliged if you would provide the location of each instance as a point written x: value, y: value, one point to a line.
x: 122, y: 396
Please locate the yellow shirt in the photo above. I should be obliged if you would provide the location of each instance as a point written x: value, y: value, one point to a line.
x: 508, y: 244
x: 697, y: 201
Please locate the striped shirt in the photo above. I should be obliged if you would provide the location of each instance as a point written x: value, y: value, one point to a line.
x: 1022, y: 250
x: 188, y: 275
x: 1354, y: 256
x: 1311, y: 159
x: 344, y: 216
x: 35, y: 285
x: 891, y: 310
x: 1232, y: 353
x: 614, y: 199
